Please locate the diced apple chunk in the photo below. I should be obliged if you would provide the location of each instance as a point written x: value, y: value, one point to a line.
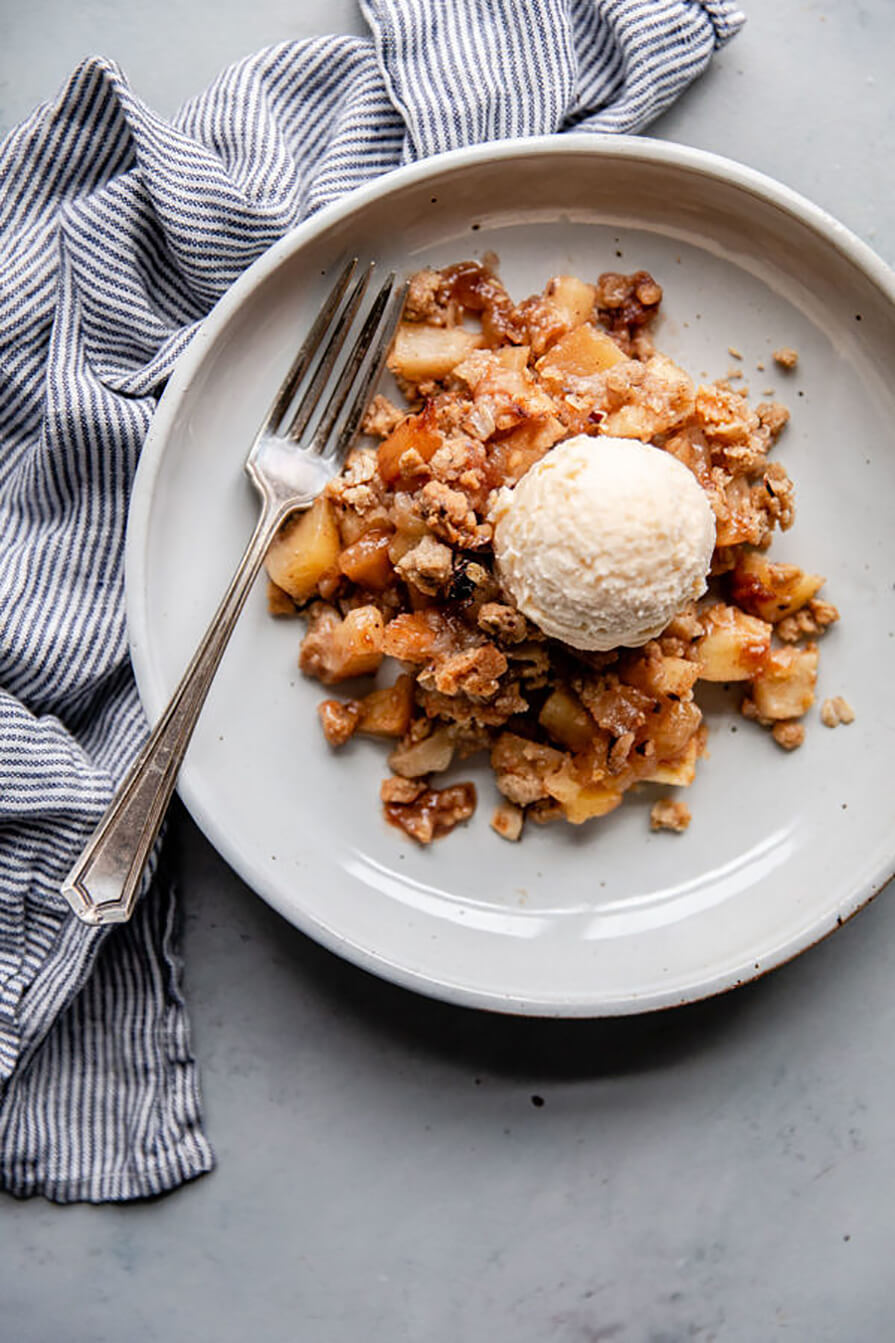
x: 785, y: 686
x: 411, y: 636
x: 565, y: 719
x: 580, y: 354
x: 304, y: 550
x: 771, y: 591
x: 574, y: 299
x: 510, y: 457
x: 514, y: 358
x: 416, y: 437
x: 337, y: 650
x: 681, y: 771
x: 367, y: 562
x: 734, y: 646
x: 673, y: 729
x: 661, y: 675
x: 429, y: 756
x: 421, y: 352
x: 580, y: 801
x: 387, y: 712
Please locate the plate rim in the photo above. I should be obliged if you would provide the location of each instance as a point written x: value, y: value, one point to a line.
x: 667, y: 153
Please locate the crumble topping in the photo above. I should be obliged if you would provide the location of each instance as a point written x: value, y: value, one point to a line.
x: 789, y: 734
x: 428, y: 565
x: 394, y: 561
x: 669, y: 815
x: 835, y: 711
x: 382, y: 417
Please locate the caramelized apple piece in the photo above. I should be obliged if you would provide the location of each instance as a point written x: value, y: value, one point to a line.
x: 421, y: 352
x: 579, y: 354
x: 510, y: 457
x: 418, y: 437
x: 410, y: 528
x: 673, y: 728
x: 734, y: 646
x: 565, y: 719
x: 411, y: 637
x: 574, y: 299
x: 367, y: 561
x: 681, y: 771
x: 659, y: 674
x: 304, y: 550
x: 474, y: 285
x: 580, y: 801
x: 689, y: 446
x: 514, y: 358
x: 771, y: 591
x: 336, y: 650
x: 432, y: 755
x: 785, y: 686
x: 387, y: 712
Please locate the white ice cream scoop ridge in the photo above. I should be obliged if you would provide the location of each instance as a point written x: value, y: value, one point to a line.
x: 603, y: 541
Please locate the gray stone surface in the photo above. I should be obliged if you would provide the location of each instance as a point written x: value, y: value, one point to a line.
x: 722, y: 1172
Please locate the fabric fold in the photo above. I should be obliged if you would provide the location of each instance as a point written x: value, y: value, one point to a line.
x: 119, y: 231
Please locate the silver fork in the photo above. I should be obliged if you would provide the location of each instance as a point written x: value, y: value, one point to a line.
x: 289, y: 466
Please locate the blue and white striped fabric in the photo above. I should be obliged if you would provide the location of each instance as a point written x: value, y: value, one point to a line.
x: 118, y: 232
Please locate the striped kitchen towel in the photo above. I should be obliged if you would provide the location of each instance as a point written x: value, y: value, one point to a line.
x: 118, y: 232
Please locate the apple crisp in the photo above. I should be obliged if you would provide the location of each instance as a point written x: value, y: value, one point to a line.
x: 394, y: 562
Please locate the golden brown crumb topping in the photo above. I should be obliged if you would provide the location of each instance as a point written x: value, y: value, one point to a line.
x: 789, y: 734
x: 835, y: 711
x: 507, y: 821
x: 669, y: 815
x: 395, y: 561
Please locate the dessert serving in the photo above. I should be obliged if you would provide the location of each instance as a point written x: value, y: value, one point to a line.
x: 557, y: 538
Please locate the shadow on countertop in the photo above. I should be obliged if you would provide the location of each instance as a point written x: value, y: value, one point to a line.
x: 221, y: 907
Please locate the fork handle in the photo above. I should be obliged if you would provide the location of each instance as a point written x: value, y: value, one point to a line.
x: 103, y: 884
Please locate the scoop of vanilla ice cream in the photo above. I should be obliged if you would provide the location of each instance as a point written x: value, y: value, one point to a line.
x: 603, y: 541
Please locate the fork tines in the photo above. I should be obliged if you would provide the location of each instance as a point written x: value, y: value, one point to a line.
x: 370, y: 348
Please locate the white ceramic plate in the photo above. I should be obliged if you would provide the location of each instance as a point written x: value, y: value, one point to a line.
x: 608, y: 918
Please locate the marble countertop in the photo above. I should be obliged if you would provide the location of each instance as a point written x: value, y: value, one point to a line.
x: 722, y: 1172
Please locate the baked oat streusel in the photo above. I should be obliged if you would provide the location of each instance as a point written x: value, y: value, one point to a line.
x: 395, y: 561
